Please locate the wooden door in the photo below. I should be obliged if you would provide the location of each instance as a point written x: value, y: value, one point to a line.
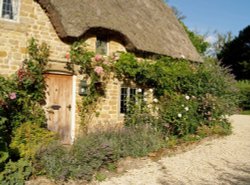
x: 59, y: 98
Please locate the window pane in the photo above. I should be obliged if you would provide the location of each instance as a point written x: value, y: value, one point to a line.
x: 124, y: 95
x: 101, y: 46
x: 129, y: 97
x: 132, y: 96
x: 7, y: 9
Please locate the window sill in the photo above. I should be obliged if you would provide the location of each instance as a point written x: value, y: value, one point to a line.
x: 9, y: 20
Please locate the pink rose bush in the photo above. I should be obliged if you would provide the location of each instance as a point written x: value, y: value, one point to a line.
x: 99, y: 70
x: 12, y: 95
x: 98, y: 58
x: 67, y: 56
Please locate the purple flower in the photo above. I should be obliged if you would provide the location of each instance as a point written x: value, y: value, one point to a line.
x: 12, y: 95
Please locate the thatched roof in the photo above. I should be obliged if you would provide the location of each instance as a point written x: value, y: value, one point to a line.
x: 145, y: 25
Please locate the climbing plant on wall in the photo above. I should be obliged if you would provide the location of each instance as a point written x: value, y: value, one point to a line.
x: 209, y: 87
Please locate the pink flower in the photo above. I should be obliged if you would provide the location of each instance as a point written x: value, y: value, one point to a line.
x: 98, y: 58
x: 106, y: 62
x: 98, y: 70
x: 12, y: 95
x: 67, y: 56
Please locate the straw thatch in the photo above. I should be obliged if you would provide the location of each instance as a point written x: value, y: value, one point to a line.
x: 144, y: 25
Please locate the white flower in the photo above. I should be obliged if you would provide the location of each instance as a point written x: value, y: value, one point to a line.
x: 179, y: 115
x: 145, y: 94
x: 186, y: 109
x: 151, y: 90
x: 155, y: 100
x: 139, y: 90
x: 145, y: 99
x: 149, y: 106
x: 224, y: 116
x: 182, y: 105
x: 187, y: 97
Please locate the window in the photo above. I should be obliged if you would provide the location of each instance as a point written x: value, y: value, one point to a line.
x: 9, y: 9
x: 129, y: 96
x: 101, y: 45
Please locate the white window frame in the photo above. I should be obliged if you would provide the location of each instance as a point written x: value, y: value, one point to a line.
x: 17, y: 13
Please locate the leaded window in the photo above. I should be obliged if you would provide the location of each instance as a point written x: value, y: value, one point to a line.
x: 129, y: 97
x: 9, y: 9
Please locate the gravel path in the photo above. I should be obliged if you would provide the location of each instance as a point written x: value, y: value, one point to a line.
x: 221, y: 161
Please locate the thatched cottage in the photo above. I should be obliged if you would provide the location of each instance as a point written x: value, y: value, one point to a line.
x: 143, y: 27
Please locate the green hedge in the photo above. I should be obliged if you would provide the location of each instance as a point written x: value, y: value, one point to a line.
x: 244, y: 87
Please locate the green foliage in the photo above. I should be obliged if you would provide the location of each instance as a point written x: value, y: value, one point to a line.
x: 235, y: 54
x: 127, y: 66
x: 100, y: 176
x: 95, y: 69
x: 244, y: 87
x: 221, y: 41
x: 85, y: 157
x: 4, y: 155
x: 193, y: 99
x: 178, y: 115
x: 22, y: 118
x: 139, y: 141
x: 224, y: 128
x: 197, y: 40
x: 98, y: 150
x: 191, y: 95
x: 28, y: 138
x: 24, y: 93
x: 54, y: 161
x: 16, y: 172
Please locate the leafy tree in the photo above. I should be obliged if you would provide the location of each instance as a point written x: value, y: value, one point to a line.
x: 198, y: 40
x: 178, y: 14
x: 236, y: 54
x: 221, y: 41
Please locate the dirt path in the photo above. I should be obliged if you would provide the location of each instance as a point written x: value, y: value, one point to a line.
x: 220, y: 161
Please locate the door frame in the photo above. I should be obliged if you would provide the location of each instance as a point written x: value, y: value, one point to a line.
x: 73, y: 102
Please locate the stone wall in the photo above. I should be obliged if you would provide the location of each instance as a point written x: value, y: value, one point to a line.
x: 33, y: 22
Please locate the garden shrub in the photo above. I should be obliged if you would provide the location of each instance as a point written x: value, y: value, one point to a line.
x: 53, y: 160
x: 22, y: 118
x: 29, y: 137
x: 16, y: 172
x: 81, y: 161
x: 244, y: 87
x: 98, y: 150
x: 139, y: 141
x: 178, y: 115
x: 191, y: 99
x: 4, y: 155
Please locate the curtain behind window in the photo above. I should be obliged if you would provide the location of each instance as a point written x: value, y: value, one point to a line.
x: 15, y: 8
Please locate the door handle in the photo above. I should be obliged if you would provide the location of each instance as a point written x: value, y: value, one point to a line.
x: 69, y: 106
x: 55, y: 107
